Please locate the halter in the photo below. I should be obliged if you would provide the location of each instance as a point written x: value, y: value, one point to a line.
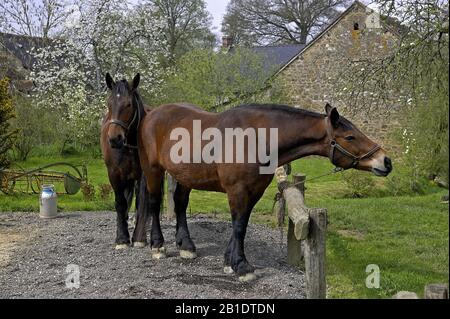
x: 126, y: 126
x: 334, y: 145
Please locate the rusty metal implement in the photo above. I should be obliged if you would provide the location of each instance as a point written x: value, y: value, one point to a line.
x: 19, y: 180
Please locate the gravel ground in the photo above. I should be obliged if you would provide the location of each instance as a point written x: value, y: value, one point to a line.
x: 34, y: 254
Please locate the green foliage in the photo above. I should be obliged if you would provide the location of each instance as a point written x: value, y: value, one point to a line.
x: 36, y: 127
x: 209, y: 79
x: 359, y: 184
x: 425, y: 135
x: 7, y: 135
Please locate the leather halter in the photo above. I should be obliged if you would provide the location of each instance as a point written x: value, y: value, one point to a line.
x: 334, y: 145
x: 126, y: 126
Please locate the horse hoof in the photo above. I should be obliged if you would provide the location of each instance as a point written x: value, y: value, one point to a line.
x: 159, y: 253
x: 121, y: 246
x: 139, y: 245
x: 228, y: 270
x: 247, y: 277
x: 186, y: 254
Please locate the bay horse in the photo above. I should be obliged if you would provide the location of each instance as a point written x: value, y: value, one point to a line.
x: 300, y: 133
x: 119, y: 148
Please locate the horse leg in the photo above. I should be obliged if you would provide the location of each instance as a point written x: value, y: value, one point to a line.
x: 241, y: 205
x: 183, y: 238
x: 155, y: 186
x: 123, y: 196
x: 140, y: 233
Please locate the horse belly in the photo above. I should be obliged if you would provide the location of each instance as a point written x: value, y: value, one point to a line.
x: 196, y: 176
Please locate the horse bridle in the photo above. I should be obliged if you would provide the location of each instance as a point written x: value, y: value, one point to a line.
x: 334, y: 145
x: 128, y: 126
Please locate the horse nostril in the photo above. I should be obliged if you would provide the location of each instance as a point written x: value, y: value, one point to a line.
x: 388, y: 163
x: 116, y: 142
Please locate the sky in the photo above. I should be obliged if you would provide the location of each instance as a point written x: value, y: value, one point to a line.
x: 217, y: 9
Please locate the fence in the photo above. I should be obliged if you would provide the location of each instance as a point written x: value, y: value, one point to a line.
x: 306, y: 244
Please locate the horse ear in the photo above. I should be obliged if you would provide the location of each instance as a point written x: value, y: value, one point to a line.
x: 333, y: 115
x: 136, y: 81
x: 109, y: 81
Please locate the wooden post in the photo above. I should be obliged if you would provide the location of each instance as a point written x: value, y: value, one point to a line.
x: 294, y: 246
x: 315, y: 253
x: 436, y: 291
x: 171, y: 186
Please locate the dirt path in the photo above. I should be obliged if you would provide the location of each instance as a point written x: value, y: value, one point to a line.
x: 34, y: 254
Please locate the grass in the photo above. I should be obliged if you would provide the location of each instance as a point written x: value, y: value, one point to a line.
x: 406, y: 236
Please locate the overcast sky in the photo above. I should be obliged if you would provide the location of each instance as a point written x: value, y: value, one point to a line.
x: 217, y: 10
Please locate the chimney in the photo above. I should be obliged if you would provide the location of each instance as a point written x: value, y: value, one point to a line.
x: 227, y: 42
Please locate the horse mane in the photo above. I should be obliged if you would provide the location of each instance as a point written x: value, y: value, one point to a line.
x: 345, y: 124
x: 280, y: 108
x: 122, y: 87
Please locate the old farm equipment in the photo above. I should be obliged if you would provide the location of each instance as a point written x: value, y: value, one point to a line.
x: 19, y: 180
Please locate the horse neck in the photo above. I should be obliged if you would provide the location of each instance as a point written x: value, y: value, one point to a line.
x: 301, y: 135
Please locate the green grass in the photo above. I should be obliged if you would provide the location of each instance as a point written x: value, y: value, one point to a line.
x: 96, y: 175
x: 406, y: 236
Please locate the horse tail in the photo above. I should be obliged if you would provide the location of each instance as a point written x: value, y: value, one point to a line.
x: 141, y: 194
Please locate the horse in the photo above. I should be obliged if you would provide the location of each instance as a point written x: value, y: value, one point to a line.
x: 299, y: 133
x: 118, y: 142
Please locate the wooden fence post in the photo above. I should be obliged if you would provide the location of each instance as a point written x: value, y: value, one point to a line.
x: 436, y: 291
x: 294, y: 247
x: 171, y: 186
x: 315, y: 254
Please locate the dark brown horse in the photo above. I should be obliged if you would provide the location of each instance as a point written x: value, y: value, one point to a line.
x: 299, y: 133
x: 119, y: 147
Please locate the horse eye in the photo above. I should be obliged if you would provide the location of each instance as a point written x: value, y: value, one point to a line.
x: 350, y: 138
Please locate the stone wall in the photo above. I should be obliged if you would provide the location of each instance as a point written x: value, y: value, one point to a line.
x: 321, y: 72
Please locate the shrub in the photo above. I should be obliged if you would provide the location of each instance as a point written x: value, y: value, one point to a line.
x: 359, y: 184
x: 35, y: 127
x: 88, y: 191
x: 105, y: 191
x: 7, y: 135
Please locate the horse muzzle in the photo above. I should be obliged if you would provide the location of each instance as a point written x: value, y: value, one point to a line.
x: 385, y: 169
x: 117, y: 142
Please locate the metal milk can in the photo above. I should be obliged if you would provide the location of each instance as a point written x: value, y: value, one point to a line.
x: 47, y: 202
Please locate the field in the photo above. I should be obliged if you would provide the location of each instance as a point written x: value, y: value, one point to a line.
x: 406, y: 236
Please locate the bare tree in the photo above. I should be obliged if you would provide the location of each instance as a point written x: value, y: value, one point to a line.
x: 186, y: 25
x: 37, y: 18
x: 278, y: 21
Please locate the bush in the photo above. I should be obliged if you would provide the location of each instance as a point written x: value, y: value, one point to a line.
x: 359, y: 184
x: 105, y: 191
x: 207, y: 79
x: 35, y: 127
x: 7, y: 135
x: 88, y: 191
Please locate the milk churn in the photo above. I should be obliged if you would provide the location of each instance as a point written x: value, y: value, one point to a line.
x: 47, y: 202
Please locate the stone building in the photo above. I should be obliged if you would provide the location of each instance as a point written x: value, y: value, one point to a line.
x: 16, y: 59
x: 316, y: 73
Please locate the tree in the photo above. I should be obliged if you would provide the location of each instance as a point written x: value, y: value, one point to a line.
x: 185, y: 25
x: 102, y: 36
x: 265, y: 22
x: 36, y: 18
x: 6, y: 114
x: 416, y: 70
x: 210, y: 79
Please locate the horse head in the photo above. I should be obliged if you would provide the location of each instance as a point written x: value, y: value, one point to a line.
x: 124, y: 110
x: 350, y: 148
